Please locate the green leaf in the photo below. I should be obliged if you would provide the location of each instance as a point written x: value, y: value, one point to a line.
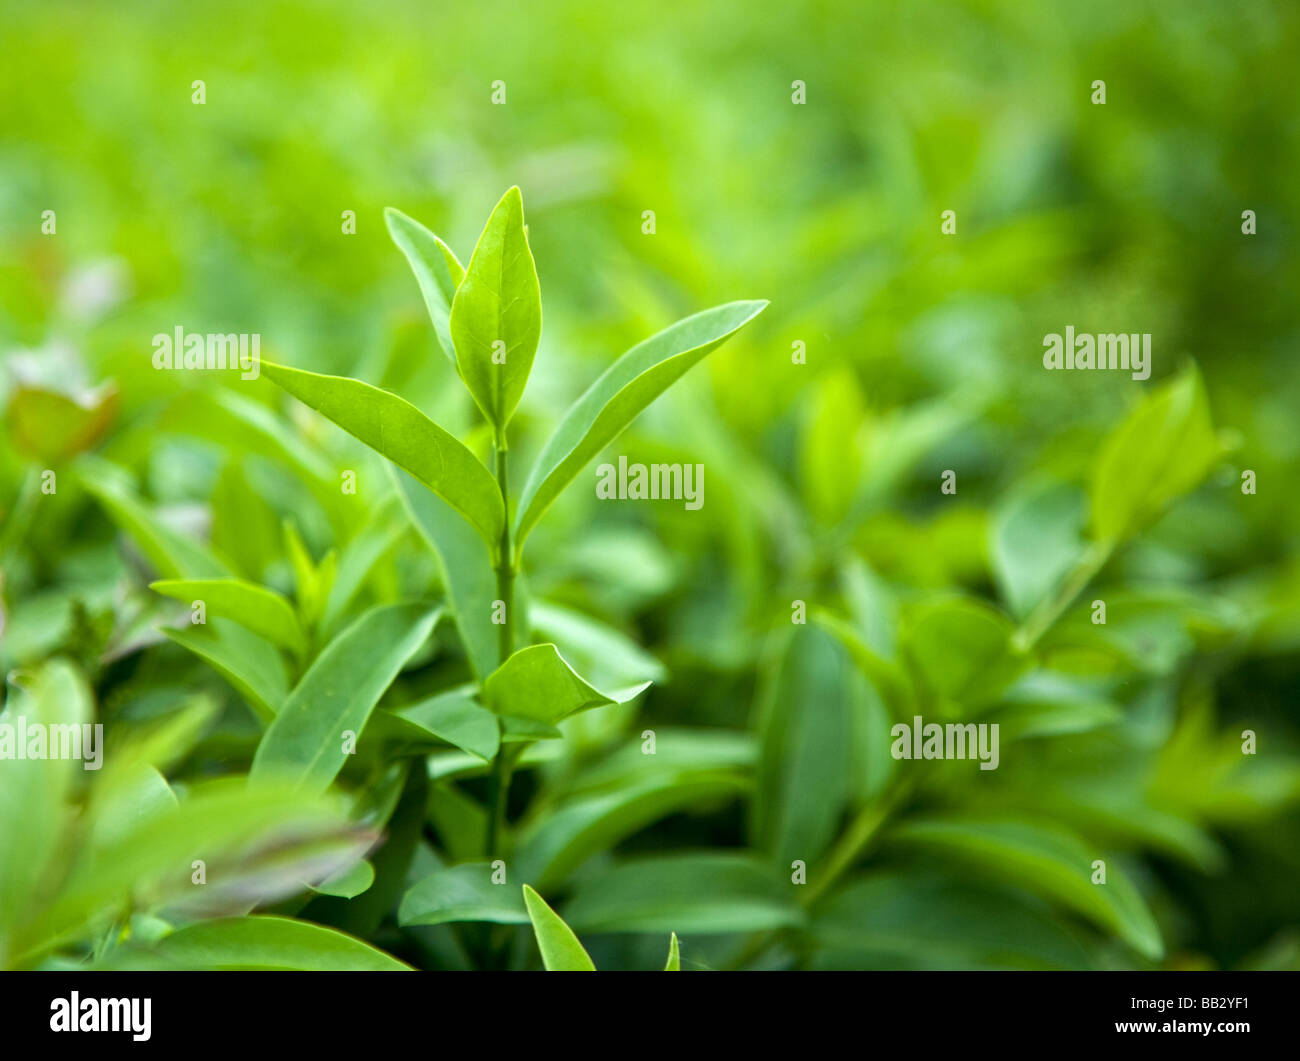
x: 465, y: 565
x: 561, y: 951
x: 228, y: 418
x: 311, y: 582
x: 680, y: 753
x: 1048, y: 860
x: 924, y: 919
x: 158, y: 745
x: 597, y: 648
x: 1045, y: 704
x: 674, y: 964
x: 704, y: 893
x: 462, y: 893
x: 347, y: 883
x: 1036, y: 538
x: 623, y: 390
x: 873, y: 606
x: 460, y: 822
x: 172, y: 553
x: 830, y: 459
x: 138, y: 793
x: 498, y: 301
x: 337, y: 694
x: 51, y: 426
x: 34, y: 792
x: 885, y: 675
x: 961, y: 650
x: 260, y: 610
x: 248, y: 662
x: 457, y: 718
x: 1162, y: 450
x: 152, y: 860
x: 362, y: 915
x: 522, y: 730
x: 554, y: 845
x: 358, y: 559
x: 436, y: 271
x: 805, y: 730
x: 395, y: 428
x: 536, y: 683
x: 262, y: 942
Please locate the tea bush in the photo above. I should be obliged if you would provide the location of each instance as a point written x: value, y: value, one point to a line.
x: 394, y: 670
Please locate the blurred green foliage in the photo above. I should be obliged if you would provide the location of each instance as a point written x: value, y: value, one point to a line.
x: 1121, y: 742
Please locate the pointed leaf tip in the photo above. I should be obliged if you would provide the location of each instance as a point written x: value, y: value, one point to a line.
x: 561, y: 951
x: 674, y: 956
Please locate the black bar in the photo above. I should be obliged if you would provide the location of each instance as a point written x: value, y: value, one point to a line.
x: 614, y: 1012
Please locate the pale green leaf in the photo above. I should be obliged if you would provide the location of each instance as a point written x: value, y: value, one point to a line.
x: 462, y: 893
x: 358, y: 559
x: 1036, y: 537
x: 347, y: 883
x: 561, y: 951
x: 599, y: 649
x: 436, y: 271
x: 498, y: 302
x: 536, y: 683
x: 457, y: 718
x: 1164, y: 448
x: 263, y: 942
x: 611, y: 403
x: 260, y: 610
x: 395, y: 428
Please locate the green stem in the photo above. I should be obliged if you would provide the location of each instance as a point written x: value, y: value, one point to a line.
x: 848, y: 849
x: 1050, y: 608
x: 505, y: 572
x: 505, y: 563
x: 854, y: 841
x: 497, y: 810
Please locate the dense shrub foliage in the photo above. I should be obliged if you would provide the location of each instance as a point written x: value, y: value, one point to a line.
x: 395, y: 667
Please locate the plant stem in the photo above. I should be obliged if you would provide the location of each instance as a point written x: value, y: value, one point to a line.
x: 505, y: 563
x: 505, y: 571
x: 497, y: 809
x: 854, y: 840
x: 848, y: 849
x: 1050, y: 608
